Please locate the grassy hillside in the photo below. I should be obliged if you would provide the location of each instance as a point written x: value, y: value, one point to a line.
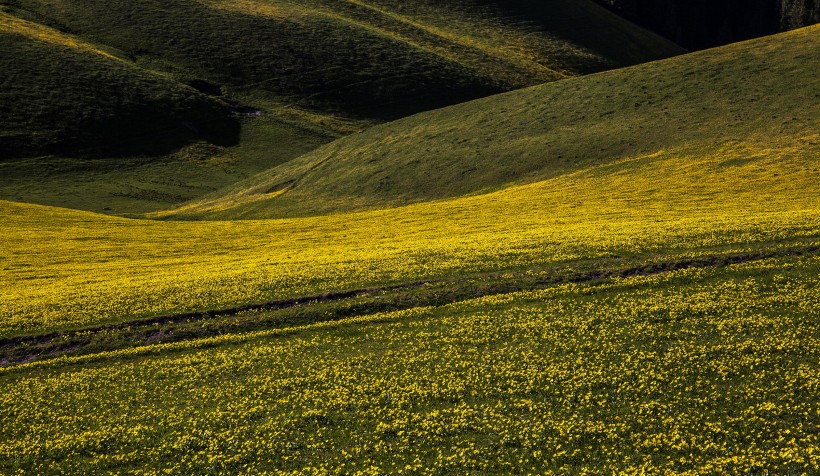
x: 314, y: 69
x: 378, y: 59
x: 126, y: 139
x: 726, y: 102
x: 653, y: 312
x: 647, y: 205
x: 60, y: 93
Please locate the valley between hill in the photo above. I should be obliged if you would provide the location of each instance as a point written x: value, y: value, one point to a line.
x: 132, y: 106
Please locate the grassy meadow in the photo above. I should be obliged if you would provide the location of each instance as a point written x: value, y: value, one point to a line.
x: 694, y: 372
x: 485, y: 361
x: 90, y: 269
x: 612, y: 274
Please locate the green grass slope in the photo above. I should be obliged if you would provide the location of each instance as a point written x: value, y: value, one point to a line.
x: 658, y: 319
x: 697, y: 373
x: 60, y: 94
x: 364, y: 58
x: 738, y: 101
x: 316, y: 69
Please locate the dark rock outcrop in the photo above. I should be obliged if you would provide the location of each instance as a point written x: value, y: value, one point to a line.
x: 699, y: 24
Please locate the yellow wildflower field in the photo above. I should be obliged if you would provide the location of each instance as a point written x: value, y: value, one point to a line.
x: 696, y: 371
x: 63, y: 269
x: 693, y: 372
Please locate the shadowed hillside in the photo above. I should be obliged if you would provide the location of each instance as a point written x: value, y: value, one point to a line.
x: 687, y: 106
x: 375, y: 58
x: 296, y: 74
x: 63, y: 95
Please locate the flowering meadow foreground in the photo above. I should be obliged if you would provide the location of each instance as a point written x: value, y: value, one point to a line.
x: 698, y: 371
x: 657, y: 315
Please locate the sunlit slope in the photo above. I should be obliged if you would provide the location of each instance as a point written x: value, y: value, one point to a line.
x: 88, y: 268
x: 371, y: 58
x: 748, y: 96
x: 58, y: 93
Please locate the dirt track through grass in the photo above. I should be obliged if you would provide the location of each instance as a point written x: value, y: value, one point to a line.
x: 340, y: 305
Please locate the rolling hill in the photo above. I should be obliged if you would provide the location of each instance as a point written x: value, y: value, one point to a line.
x: 82, y: 127
x: 378, y: 59
x: 619, y: 291
x: 294, y: 74
x: 725, y: 102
